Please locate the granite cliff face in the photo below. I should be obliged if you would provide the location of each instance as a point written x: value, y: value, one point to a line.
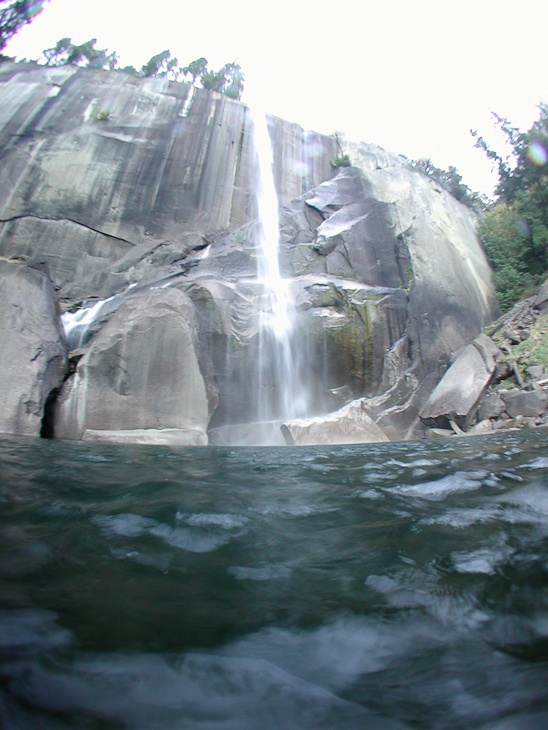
x: 155, y: 208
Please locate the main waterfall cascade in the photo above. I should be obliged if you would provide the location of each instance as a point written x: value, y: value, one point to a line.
x: 278, y: 348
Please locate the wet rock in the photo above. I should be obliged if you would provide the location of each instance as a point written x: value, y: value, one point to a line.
x: 141, y: 372
x: 525, y: 403
x: 33, y: 349
x: 349, y: 425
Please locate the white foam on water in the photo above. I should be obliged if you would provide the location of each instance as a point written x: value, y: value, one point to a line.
x: 225, y: 521
x: 439, y: 489
x: 133, y: 526
x: 485, y: 560
x: 461, y: 518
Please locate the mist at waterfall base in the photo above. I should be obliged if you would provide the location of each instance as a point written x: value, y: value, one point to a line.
x: 400, y: 585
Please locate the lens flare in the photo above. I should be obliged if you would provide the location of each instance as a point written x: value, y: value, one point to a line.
x: 523, y: 228
x: 537, y: 153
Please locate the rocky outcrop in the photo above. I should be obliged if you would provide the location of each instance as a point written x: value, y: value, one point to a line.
x: 141, y: 375
x: 351, y: 424
x: 387, y: 277
x: 517, y: 396
x: 449, y: 277
x: 33, y: 349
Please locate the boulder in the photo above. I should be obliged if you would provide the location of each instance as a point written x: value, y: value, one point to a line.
x: 349, y: 425
x: 480, y: 428
x: 535, y: 372
x: 541, y: 300
x: 33, y: 349
x: 141, y: 373
x: 457, y: 395
x: 524, y: 403
x: 491, y: 406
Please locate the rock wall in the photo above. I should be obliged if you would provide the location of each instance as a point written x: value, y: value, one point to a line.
x: 155, y: 202
x: 171, y: 169
x: 33, y: 348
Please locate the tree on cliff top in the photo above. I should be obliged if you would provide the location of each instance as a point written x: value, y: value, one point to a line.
x: 228, y: 81
x: 65, y: 52
x: 450, y: 180
x: 15, y: 15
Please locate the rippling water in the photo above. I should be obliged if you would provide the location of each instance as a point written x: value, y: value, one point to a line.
x: 378, y: 586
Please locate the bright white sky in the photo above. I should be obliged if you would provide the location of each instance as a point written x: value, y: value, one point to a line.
x: 410, y: 75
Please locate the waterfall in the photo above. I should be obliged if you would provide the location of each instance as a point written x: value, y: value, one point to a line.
x: 77, y: 324
x: 279, y: 360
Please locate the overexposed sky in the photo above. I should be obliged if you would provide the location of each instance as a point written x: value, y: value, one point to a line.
x: 410, y: 75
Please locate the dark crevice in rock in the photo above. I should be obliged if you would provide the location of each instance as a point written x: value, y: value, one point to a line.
x: 23, y: 216
x: 47, y: 430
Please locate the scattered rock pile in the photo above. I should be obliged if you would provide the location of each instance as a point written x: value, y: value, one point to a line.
x: 500, y: 381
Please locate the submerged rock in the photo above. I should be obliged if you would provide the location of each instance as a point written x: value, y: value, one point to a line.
x: 33, y: 348
x: 351, y: 424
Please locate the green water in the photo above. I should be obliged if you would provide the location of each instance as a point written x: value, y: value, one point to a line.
x: 378, y: 586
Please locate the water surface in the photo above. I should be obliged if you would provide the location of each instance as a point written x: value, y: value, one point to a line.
x: 376, y: 586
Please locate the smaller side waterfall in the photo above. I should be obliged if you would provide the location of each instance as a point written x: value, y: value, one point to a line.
x: 77, y: 324
x: 280, y: 358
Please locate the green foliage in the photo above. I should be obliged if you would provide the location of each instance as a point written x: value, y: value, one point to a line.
x: 195, y: 69
x: 228, y: 81
x: 15, y: 15
x: 450, y: 180
x: 162, y: 65
x: 66, y: 52
x: 103, y: 115
x: 342, y: 161
x: 519, y: 255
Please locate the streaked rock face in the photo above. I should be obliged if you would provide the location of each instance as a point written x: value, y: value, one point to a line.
x: 168, y: 171
x: 33, y: 349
